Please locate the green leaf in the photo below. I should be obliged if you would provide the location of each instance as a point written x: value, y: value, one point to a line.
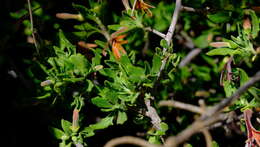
x: 162, y: 131
x: 215, y: 144
x: 90, y: 86
x: 86, y: 27
x: 202, y: 41
x: 229, y: 88
x: 219, y: 17
x: 164, y: 126
x: 57, y: 133
x: 255, y: 92
x: 231, y: 43
x: 221, y: 51
x: 66, y: 126
x: 101, y: 43
x: 156, y: 64
x: 114, y: 27
x: 81, y: 66
x: 88, y: 132
x: 101, y: 102
x: 108, y: 72
x: 154, y: 140
x: 136, y: 74
x: 255, y: 24
x: 163, y: 14
x: 243, y: 76
x: 164, y: 44
x: 125, y: 61
x: 121, y: 118
x: 85, y: 12
x: 21, y: 13
x: 44, y: 96
x: 64, y: 43
x: 188, y: 145
x: 63, y: 144
x: 96, y: 60
x: 103, y: 123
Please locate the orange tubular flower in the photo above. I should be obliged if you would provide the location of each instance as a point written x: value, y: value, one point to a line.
x: 117, y: 42
x: 145, y: 7
x: 86, y: 45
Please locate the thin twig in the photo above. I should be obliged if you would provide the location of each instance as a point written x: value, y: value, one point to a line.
x: 169, y: 34
x: 129, y: 140
x: 155, y: 32
x: 195, y: 127
x: 189, y: 43
x: 181, y: 105
x: 211, y: 116
x: 153, y: 115
x: 208, y: 137
x: 32, y: 30
x: 192, y: 54
x: 126, y: 4
x: 171, y: 29
x: 103, y: 28
x: 228, y: 101
x: 133, y: 8
x: 146, y: 45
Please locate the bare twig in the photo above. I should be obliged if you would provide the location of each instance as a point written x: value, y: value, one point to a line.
x: 169, y: 34
x: 146, y: 45
x: 228, y: 101
x: 155, y: 32
x: 211, y: 116
x: 195, y: 127
x: 208, y: 137
x: 126, y: 4
x: 129, y: 140
x: 32, y: 29
x: 133, y: 8
x: 189, y: 43
x: 103, y: 28
x: 180, y: 105
x: 192, y: 54
x: 171, y: 29
x: 153, y: 115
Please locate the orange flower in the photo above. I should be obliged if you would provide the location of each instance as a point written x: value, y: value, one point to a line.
x: 145, y: 7
x: 75, y: 120
x: 117, y: 42
x: 86, y: 45
x: 246, y: 24
x: 78, y: 17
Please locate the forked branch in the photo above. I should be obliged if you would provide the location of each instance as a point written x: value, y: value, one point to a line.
x: 211, y: 116
x: 170, y: 32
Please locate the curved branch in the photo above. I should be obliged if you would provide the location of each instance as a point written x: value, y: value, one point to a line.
x: 155, y: 32
x: 192, y: 54
x: 180, y: 105
x: 129, y: 140
x: 169, y: 34
x: 211, y: 116
x: 228, y: 101
x: 32, y: 29
x: 171, y: 29
x: 208, y: 137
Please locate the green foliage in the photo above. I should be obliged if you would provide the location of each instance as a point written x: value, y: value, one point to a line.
x: 79, y: 78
